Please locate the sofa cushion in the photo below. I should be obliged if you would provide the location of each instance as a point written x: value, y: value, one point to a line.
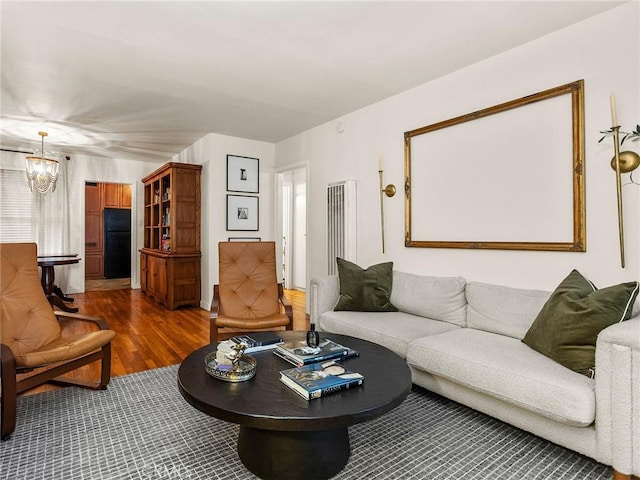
x: 568, y: 325
x: 517, y: 375
x: 392, y: 330
x: 365, y: 290
x: 439, y: 298
x: 503, y: 310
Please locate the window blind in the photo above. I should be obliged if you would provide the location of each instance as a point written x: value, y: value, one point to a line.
x: 27, y: 216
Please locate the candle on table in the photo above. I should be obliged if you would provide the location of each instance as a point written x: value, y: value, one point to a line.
x: 614, y: 114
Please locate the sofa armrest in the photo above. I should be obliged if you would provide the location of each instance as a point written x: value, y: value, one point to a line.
x: 625, y: 333
x: 618, y: 396
x: 324, y: 295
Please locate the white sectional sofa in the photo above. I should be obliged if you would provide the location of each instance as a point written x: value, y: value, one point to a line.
x: 462, y: 340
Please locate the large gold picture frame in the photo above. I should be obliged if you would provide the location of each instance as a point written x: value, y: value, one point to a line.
x: 513, y: 181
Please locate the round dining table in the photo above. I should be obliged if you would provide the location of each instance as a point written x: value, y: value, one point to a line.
x: 53, y: 292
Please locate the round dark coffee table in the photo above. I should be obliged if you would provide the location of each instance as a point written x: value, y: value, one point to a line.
x: 282, y: 435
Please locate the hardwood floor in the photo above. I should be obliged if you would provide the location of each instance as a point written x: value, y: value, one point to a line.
x: 107, y: 284
x: 148, y: 335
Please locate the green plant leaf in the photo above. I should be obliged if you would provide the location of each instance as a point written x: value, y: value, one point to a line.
x: 631, y: 136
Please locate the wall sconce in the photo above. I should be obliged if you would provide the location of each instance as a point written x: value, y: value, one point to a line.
x: 389, y: 191
x: 622, y: 162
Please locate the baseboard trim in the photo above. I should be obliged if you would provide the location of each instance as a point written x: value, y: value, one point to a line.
x: 622, y: 476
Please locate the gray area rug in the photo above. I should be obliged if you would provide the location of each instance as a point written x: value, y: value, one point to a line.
x: 142, y: 428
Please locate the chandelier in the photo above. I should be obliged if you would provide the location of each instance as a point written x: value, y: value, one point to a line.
x: 42, y: 172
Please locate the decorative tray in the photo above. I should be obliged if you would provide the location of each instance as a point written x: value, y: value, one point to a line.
x: 244, y: 370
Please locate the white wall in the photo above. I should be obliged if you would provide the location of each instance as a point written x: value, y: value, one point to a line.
x: 211, y: 152
x: 299, y: 238
x: 601, y: 50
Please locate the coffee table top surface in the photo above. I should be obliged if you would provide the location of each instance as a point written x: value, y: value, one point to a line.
x: 265, y: 402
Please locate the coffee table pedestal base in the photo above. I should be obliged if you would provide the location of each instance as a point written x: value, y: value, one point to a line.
x: 284, y: 455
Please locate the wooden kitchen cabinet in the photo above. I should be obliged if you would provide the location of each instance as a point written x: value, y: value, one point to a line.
x: 117, y: 195
x: 93, y: 249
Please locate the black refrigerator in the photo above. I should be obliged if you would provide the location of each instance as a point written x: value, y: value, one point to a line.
x: 117, y: 243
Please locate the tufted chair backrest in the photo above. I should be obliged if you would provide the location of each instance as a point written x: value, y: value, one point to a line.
x: 27, y: 321
x: 247, y: 279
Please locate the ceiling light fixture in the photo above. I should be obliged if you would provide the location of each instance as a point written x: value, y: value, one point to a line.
x: 42, y: 172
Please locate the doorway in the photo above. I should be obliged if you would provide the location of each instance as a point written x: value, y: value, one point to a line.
x: 292, y: 185
x: 107, y: 236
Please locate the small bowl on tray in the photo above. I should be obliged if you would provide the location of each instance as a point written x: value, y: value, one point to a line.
x: 243, y: 370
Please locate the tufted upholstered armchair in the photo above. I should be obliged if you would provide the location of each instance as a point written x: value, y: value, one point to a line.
x: 248, y: 295
x: 30, y: 335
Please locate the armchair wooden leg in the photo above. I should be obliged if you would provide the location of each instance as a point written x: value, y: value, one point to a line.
x: 105, y: 370
x: 105, y: 377
x: 8, y: 401
x: 9, y: 396
x: 213, y: 332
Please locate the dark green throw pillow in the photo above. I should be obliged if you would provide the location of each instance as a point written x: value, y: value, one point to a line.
x: 566, y: 328
x: 365, y: 290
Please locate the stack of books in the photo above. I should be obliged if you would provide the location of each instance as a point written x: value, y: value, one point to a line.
x: 319, y: 379
x: 258, y: 341
x: 298, y: 353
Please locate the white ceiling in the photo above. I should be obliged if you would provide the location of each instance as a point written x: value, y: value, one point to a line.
x: 144, y: 80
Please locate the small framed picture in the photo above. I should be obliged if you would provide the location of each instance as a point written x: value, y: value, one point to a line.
x: 242, y: 213
x: 244, y: 239
x: 243, y: 174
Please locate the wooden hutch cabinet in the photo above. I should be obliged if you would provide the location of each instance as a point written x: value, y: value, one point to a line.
x: 170, y: 259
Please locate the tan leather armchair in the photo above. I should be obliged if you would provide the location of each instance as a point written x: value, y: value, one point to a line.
x: 248, y: 295
x: 30, y: 335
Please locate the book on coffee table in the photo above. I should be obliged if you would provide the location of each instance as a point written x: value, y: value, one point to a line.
x: 319, y: 379
x: 298, y: 353
x: 258, y: 341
